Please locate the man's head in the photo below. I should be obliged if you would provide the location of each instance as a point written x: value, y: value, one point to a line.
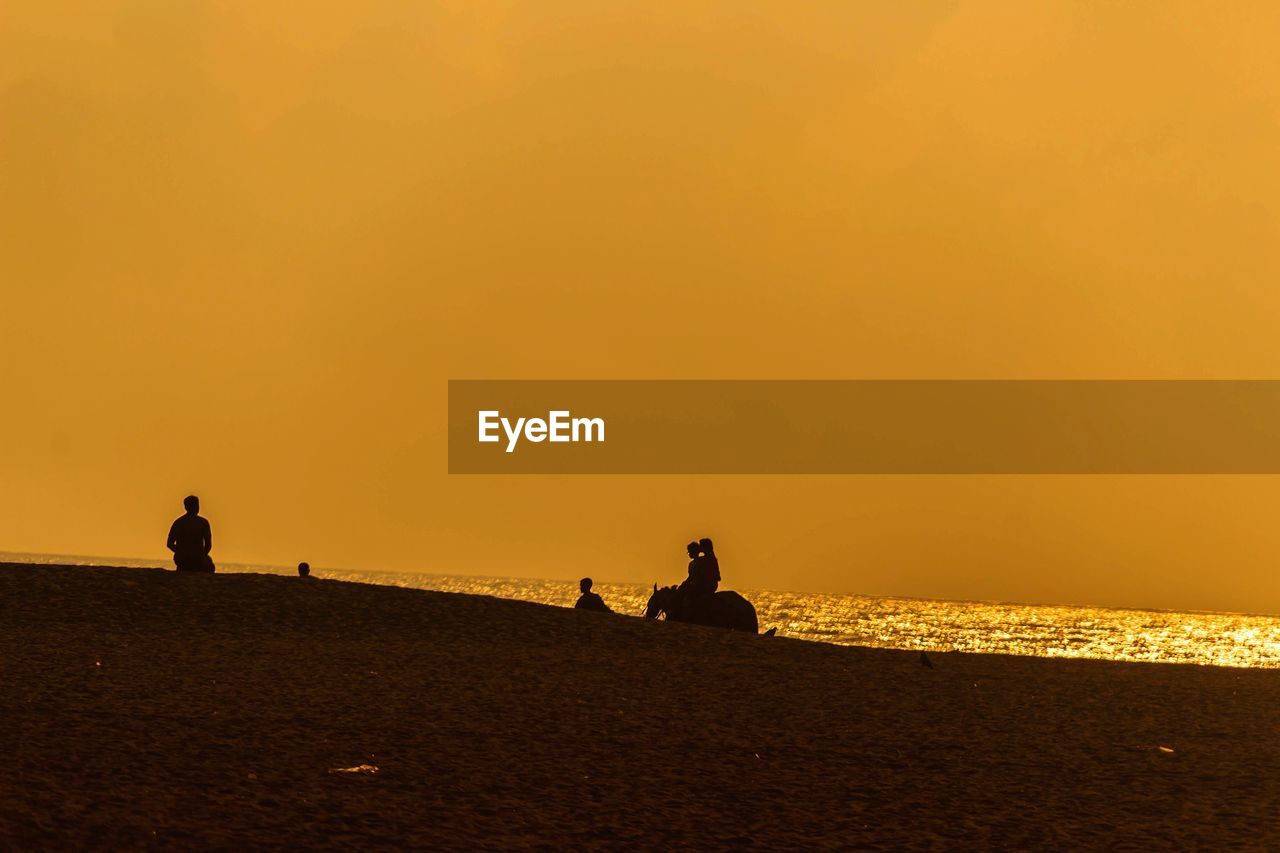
x: 585, y: 585
x: 192, y: 503
x: 705, y: 545
x: 304, y: 569
x: 692, y: 548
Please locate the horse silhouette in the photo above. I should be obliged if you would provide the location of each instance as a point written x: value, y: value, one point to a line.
x: 725, y: 609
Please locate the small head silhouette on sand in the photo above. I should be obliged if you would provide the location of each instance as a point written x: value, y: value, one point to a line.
x: 304, y: 570
x: 589, y: 600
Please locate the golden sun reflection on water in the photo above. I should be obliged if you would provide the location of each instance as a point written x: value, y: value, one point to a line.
x: 1222, y: 639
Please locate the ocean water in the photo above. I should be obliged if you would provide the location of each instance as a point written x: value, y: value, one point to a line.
x: 1222, y: 639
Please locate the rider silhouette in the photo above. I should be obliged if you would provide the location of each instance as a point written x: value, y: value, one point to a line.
x: 709, y: 571
x: 694, y: 566
x: 704, y: 578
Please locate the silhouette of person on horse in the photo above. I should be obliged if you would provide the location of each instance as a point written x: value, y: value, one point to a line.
x: 698, y: 598
x: 702, y: 582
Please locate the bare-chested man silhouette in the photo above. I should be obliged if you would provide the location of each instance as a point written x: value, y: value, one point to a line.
x: 190, y: 539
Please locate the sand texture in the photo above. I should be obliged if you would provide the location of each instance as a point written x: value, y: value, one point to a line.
x: 142, y: 708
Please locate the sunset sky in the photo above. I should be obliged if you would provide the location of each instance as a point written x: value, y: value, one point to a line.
x: 244, y: 245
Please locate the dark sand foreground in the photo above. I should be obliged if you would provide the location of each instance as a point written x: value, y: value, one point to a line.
x: 143, y: 708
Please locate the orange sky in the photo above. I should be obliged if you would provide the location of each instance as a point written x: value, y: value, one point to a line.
x: 242, y: 249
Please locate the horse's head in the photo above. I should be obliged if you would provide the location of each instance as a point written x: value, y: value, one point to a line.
x: 661, y: 601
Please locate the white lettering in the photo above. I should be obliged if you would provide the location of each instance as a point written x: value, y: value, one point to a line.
x: 487, y: 423
x: 591, y: 426
x: 558, y: 427
x: 513, y: 435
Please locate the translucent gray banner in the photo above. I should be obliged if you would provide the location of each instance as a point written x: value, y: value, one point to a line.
x: 864, y: 427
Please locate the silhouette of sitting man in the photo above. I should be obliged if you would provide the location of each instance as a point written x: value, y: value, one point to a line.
x: 589, y: 600
x: 190, y: 539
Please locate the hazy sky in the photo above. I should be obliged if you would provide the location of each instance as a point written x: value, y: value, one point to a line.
x: 243, y: 245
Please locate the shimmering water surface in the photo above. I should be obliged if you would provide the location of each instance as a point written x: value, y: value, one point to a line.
x: 1224, y: 639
